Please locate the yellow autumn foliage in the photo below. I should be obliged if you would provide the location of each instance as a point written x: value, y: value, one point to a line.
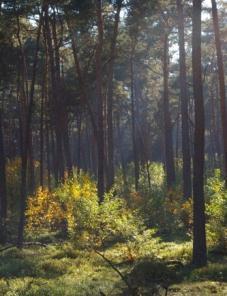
x: 44, y: 211
x: 74, y: 201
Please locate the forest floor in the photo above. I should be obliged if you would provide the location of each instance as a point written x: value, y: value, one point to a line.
x: 62, y: 269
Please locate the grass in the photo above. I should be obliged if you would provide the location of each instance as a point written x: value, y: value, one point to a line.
x: 61, y: 269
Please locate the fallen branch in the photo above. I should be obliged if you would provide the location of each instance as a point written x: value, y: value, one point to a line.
x: 7, y: 248
x: 26, y: 244
x: 131, y: 290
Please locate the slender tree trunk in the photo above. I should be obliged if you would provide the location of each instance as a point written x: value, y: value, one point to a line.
x: 66, y: 144
x: 133, y: 114
x: 53, y: 157
x: 60, y: 108
x: 214, y: 128
x: 169, y: 158
x: 110, y: 142
x: 66, y: 134
x: 121, y: 152
x: 187, y: 184
x: 79, y: 144
x: 199, y: 234
x: 54, y: 93
x: 100, y: 139
x: 221, y: 83
x: 43, y: 95
x: 31, y: 166
x: 25, y: 143
x: 82, y: 86
x: 47, y: 138
x: 3, y: 191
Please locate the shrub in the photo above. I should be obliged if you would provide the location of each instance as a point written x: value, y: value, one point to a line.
x: 75, y: 204
x: 79, y: 196
x: 216, y: 210
x: 44, y: 211
x: 116, y: 221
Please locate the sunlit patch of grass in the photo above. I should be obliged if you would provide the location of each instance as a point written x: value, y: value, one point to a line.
x: 173, y: 251
x: 62, y: 269
x: 53, y: 272
x: 66, y: 251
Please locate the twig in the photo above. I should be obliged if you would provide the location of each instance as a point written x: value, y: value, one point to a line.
x: 117, y: 271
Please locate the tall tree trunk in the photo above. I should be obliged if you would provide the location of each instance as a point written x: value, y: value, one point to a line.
x: 43, y: 95
x: 110, y: 142
x: 25, y: 143
x: 187, y: 184
x: 60, y: 108
x: 121, y: 151
x: 66, y: 144
x: 47, y: 139
x: 31, y: 166
x: 169, y: 158
x: 83, y: 91
x: 133, y: 114
x: 221, y: 83
x: 3, y: 192
x: 54, y: 92
x: 215, y: 133
x: 53, y: 153
x: 199, y: 235
x: 100, y: 139
x: 79, y: 144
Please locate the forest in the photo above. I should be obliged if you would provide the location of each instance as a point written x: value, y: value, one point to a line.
x: 113, y: 147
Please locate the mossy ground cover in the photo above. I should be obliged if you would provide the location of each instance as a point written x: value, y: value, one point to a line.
x: 62, y: 269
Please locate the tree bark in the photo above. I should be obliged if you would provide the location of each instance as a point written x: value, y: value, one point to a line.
x: 133, y: 115
x: 100, y: 139
x: 187, y: 184
x: 199, y: 235
x: 53, y: 57
x: 3, y: 191
x: 169, y: 158
x: 25, y: 143
x: 43, y: 95
x: 110, y: 142
x: 221, y: 83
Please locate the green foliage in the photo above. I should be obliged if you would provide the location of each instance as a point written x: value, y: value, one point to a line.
x: 162, y: 209
x: 216, y: 210
x: 117, y: 221
x: 44, y: 272
x: 75, y: 204
x: 80, y: 201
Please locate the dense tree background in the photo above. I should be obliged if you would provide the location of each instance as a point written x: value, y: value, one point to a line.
x: 111, y: 88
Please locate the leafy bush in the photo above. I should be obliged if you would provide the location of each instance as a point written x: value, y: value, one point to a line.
x: 216, y: 210
x: 75, y: 204
x: 44, y: 211
x: 150, y: 199
x: 116, y: 221
x: 79, y: 197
